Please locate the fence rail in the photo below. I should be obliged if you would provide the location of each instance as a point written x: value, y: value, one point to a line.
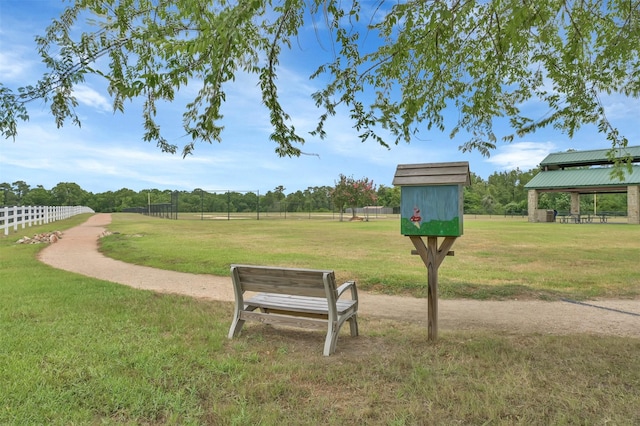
x: 13, y: 217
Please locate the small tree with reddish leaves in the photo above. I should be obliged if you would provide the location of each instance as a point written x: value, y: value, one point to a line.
x: 353, y: 193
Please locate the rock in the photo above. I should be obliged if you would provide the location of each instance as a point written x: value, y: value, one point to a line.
x: 46, y: 237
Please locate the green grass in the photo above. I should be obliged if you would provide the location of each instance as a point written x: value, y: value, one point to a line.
x: 76, y: 350
x: 494, y: 259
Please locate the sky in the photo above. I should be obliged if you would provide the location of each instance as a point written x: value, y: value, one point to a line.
x: 107, y: 152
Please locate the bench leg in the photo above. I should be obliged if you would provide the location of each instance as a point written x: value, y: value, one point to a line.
x: 353, y: 325
x: 236, y: 326
x: 330, y: 342
x: 237, y: 323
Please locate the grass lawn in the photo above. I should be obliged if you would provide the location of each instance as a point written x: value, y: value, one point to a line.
x: 494, y: 259
x: 76, y: 350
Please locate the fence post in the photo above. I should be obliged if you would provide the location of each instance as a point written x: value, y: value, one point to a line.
x: 5, y: 220
x: 17, y: 216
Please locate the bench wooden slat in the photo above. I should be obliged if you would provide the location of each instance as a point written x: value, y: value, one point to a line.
x: 288, y: 320
x: 305, y: 298
x: 298, y: 303
x: 301, y: 282
x: 283, y: 289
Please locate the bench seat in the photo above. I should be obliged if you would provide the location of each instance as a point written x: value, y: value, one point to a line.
x: 305, y: 298
x: 313, y: 305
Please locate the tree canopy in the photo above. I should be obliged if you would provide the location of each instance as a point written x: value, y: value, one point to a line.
x: 486, y: 61
x: 353, y: 193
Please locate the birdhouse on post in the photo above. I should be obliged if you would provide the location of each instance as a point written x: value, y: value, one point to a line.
x: 431, y: 205
x: 432, y: 198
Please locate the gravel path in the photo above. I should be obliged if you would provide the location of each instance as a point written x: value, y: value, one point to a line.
x: 77, y: 251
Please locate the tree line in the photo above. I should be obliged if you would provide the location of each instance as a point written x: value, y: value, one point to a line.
x: 502, y: 193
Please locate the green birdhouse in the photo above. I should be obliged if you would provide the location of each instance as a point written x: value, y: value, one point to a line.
x: 432, y: 198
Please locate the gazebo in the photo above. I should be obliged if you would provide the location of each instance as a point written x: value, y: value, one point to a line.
x: 586, y: 172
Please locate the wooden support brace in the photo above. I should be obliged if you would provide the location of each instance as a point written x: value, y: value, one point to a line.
x: 432, y: 256
x: 449, y: 253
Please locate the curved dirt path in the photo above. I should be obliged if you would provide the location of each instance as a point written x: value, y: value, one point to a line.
x: 77, y: 251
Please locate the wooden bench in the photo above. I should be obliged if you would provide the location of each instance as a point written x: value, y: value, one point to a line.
x: 304, y: 298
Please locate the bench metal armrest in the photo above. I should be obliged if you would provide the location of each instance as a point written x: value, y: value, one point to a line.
x: 346, y: 286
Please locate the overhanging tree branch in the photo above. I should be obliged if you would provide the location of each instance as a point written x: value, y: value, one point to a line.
x: 483, y: 60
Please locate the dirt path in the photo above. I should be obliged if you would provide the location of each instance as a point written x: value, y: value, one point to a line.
x: 78, y: 252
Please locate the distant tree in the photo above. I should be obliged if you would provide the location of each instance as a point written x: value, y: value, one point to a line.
x: 505, y: 186
x: 489, y: 203
x: 37, y: 197
x: 20, y: 189
x: 562, y: 202
x: 611, y: 202
x: 279, y: 190
x: 191, y: 201
x: 388, y: 196
x: 127, y: 198
x: 268, y: 202
x: 68, y: 194
x: 103, y: 202
x: 513, y: 208
x: 353, y: 193
x: 296, y: 202
x: 243, y: 202
x: 473, y: 194
x: 319, y: 198
x: 472, y: 201
x: 8, y: 197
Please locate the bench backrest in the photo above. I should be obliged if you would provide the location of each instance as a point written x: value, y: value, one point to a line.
x: 298, y: 282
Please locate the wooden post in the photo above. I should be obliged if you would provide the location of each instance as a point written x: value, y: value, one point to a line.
x: 432, y: 256
x: 432, y: 289
x: 431, y: 205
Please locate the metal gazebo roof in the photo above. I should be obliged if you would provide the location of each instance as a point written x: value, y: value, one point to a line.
x: 560, y: 160
x: 596, y: 179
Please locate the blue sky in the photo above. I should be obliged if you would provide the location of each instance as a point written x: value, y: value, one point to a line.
x: 107, y: 153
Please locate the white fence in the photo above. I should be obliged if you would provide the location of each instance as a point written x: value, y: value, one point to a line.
x: 13, y: 217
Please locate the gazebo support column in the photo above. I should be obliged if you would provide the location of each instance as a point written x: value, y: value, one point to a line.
x: 575, y: 203
x: 532, y: 204
x: 633, y: 204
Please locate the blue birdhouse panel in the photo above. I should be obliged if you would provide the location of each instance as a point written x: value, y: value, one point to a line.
x: 431, y: 210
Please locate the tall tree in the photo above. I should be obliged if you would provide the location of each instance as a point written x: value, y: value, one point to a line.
x: 37, y: 197
x: 20, y: 188
x: 68, y: 194
x: 296, y: 202
x: 389, y: 196
x: 353, y: 193
x: 8, y: 196
x: 319, y: 197
x: 279, y: 190
x: 486, y: 60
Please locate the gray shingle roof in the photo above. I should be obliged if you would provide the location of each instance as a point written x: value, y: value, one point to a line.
x: 432, y: 174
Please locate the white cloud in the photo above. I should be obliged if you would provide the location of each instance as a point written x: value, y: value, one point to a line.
x: 13, y: 66
x: 619, y: 107
x: 522, y: 155
x: 88, y: 96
